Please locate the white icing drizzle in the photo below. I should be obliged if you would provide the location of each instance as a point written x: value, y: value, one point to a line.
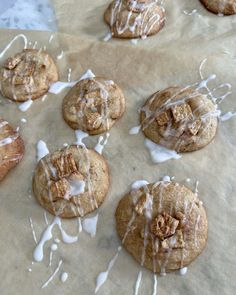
x: 64, y: 277
x: 135, y: 130
x: 60, y: 56
x: 53, y: 248
x: 227, y: 116
x: 12, y: 41
x: 45, y: 217
x: 8, y: 140
x: 53, y: 275
x: 51, y: 38
x: 80, y: 135
x: 154, y: 285
x: 35, y: 44
x: 77, y: 187
x: 23, y: 120
x: 102, y: 277
x: 80, y: 228
x: 58, y: 86
x: 100, y: 146
x: 32, y: 229
x: 69, y: 75
x: 3, y: 123
x: 44, y: 97
x: 90, y: 225
x: 41, y: 150
x: 166, y: 178
x: 183, y: 271
x: 47, y: 236
x: 107, y: 37
x: 138, y: 283
x: 138, y: 184
x: 25, y: 105
x: 160, y: 154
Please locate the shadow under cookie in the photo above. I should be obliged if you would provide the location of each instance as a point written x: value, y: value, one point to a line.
x: 162, y: 225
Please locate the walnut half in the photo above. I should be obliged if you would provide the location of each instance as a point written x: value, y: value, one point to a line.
x: 65, y: 166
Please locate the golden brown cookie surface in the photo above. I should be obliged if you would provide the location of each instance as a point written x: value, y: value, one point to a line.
x: 180, y: 119
x: 226, y: 7
x: 134, y: 19
x: 71, y: 182
x: 11, y: 148
x: 27, y: 75
x: 162, y: 225
x: 93, y: 105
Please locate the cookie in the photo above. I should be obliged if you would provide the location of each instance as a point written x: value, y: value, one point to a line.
x: 162, y: 225
x: 71, y: 182
x: 11, y: 148
x: 134, y: 19
x: 93, y: 105
x: 226, y: 7
x: 183, y: 120
x: 27, y: 75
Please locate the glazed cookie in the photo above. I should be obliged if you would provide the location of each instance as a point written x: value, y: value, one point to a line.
x: 134, y: 19
x: 226, y: 7
x: 27, y: 75
x: 71, y: 182
x: 93, y: 105
x: 11, y: 148
x: 180, y: 119
x: 162, y: 225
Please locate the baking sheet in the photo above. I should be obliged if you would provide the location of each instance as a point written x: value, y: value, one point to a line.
x: 139, y: 70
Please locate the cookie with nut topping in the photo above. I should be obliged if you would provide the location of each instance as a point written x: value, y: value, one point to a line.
x: 93, y: 105
x: 11, y: 148
x: 27, y: 75
x: 181, y: 119
x: 134, y: 18
x: 71, y: 182
x: 162, y: 225
x: 226, y: 7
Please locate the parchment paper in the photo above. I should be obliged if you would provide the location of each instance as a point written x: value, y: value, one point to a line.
x: 139, y: 70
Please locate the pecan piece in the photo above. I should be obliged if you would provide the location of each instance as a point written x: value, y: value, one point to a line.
x: 162, y: 119
x: 194, y: 127
x: 65, y: 166
x: 60, y: 189
x: 164, y: 226
x: 12, y: 62
x: 94, y: 120
x: 181, y: 112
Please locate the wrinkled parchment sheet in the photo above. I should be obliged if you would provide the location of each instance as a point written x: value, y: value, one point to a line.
x: 139, y: 70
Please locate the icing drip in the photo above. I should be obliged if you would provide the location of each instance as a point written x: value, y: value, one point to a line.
x: 41, y: 150
x: 227, y: 116
x: 47, y: 236
x: 12, y: 41
x: 64, y: 277
x: 138, y: 282
x: 90, y: 225
x: 32, y: 229
x: 53, y: 275
x: 52, y: 249
x: 183, y: 271
x: 23, y: 120
x: 80, y: 228
x: 100, y: 146
x: 154, y: 285
x: 8, y: 140
x: 25, y: 105
x: 135, y: 130
x: 58, y: 86
x: 60, y: 56
x: 80, y: 135
x: 160, y: 154
x: 51, y: 38
x: 138, y: 184
x: 194, y: 11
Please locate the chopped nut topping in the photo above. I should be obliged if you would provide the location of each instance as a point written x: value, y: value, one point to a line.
x: 162, y: 119
x: 164, y: 226
x: 65, y: 166
x: 174, y: 242
x: 12, y: 62
x: 60, y: 189
x: 181, y: 112
x: 94, y: 120
x: 194, y: 127
x: 20, y: 80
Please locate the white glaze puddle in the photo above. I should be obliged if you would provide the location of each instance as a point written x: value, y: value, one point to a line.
x: 64, y: 277
x: 102, y: 141
x: 227, y: 116
x: 138, y: 184
x: 90, y: 225
x: 25, y: 105
x: 12, y: 41
x: 183, y: 271
x: 160, y: 154
x: 58, y: 86
x: 135, y: 130
x: 138, y: 283
x: 102, y: 277
x: 47, y: 236
x: 76, y: 187
x: 80, y: 135
x: 53, y: 275
x: 41, y: 150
